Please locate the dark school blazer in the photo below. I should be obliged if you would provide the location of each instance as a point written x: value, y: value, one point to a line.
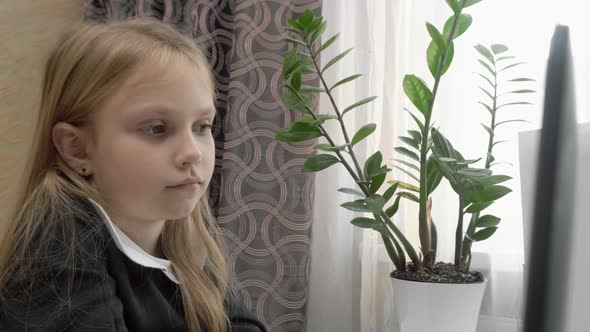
x: 110, y: 292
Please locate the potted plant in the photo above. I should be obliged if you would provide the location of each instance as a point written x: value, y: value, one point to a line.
x: 421, y: 281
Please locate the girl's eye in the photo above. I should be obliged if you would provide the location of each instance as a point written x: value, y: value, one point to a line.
x: 158, y: 129
x: 154, y: 130
x: 204, y: 128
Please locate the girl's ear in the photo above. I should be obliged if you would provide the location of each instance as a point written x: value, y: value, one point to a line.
x: 71, y: 143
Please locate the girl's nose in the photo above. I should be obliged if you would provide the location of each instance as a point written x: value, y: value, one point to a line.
x: 190, y: 153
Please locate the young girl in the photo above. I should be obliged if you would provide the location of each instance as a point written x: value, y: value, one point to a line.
x: 112, y: 229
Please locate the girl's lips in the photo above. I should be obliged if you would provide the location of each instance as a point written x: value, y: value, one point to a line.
x: 188, y: 186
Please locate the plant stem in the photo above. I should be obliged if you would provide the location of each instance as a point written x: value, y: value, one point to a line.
x: 332, y: 143
x: 459, y: 232
x: 425, y: 234
x: 467, y: 242
x: 338, y: 114
x: 359, y: 179
x: 407, y: 245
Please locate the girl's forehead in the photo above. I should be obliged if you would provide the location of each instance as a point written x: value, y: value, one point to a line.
x: 152, y: 72
x: 179, y: 83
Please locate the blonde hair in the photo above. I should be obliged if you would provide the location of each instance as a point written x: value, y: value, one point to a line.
x: 88, y: 64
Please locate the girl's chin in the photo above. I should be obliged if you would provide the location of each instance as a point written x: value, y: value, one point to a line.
x: 182, y: 210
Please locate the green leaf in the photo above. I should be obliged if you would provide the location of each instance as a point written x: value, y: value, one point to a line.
x: 335, y: 59
x: 505, y: 58
x: 436, y: 36
x: 327, y: 43
x: 488, y: 129
x: 477, y: 207
x: 296, y: 25
x: 417, y: 92
x: 390, y: 191
x: 515, y: 103
x: 485, y: 52
x: 372, y: 164
x: 284, y: 135
x: 486, y: 79
x: 405, y: 185
x: 410, y: 165
x: 487, y: 221
x: 379, y: 171
x: 319, y: 162
x: 474, y: 172
x: 303, y: 104
x: 295, y: 31
x: 442, y: 147
x: 392, y: 210
x: 289, y: 60
x: 493, y: 179
x: 499, y: 48
x: 521, y: 91
x: 377, y: 181
x: 375, y: 204
x: 488, y: 67
x: 416, y: 135
x: 297, y: 66
x: 356, y: 206
x: 311, y: 89
x: 490, y: 158
x: 358, y: 103
x: 468, y: 162
x: 454, y: 5
x: 410, y: 141
x: 294, y: 41
x: 346, y: 80
x: 407, y: 153
x: 351, y: 191
x: 366, y: 222
x: 305, y: 19
x: 498, y: 142
x: 329, y: 148
x: 469, y: 3
x: 433, y: 176
x: 488, y: 107
x: 296, y: 80
x: 321, y: 118
x: 418, y: 122
x: 487, y: 93
x: 522, y: 79
x: 434, y: 56
x: 408, y: 173
x: 486, y: 194
x: 508, y: 121
x: 363, y: 132
x: 290, y: 99
x: 409, y: 195
x: 512, y: 65
x: 313, y: 27
x: 484, y: 234
x: 317, y: 33
x: 464, y: 23
x: 299, y: 131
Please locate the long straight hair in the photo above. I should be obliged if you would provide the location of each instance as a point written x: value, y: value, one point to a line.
x: 84, y: 69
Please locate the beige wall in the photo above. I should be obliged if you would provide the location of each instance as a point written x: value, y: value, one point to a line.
x: 28, y: 29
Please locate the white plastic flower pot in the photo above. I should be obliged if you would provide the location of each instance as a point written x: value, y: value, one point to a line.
x: 425, y: 306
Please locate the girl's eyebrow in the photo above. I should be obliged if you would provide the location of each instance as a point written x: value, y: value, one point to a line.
x: 157, y: 109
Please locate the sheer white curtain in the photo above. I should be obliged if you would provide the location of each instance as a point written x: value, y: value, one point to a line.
x: 349, y: 283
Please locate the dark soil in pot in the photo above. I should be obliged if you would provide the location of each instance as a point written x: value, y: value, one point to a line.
x: 439, y: 273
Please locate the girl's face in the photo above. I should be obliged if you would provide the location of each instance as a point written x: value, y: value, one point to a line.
x: 152, y: 134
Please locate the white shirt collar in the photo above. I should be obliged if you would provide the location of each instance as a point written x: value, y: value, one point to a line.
x: 132, y: 250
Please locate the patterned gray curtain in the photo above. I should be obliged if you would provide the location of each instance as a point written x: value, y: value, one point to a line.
x: 263, y: 202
